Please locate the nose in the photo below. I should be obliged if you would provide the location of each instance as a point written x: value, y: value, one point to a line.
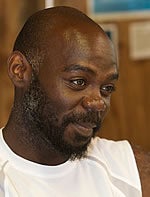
x: 94, y: 104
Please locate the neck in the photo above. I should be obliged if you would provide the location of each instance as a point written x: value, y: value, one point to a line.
x: 21, y: 143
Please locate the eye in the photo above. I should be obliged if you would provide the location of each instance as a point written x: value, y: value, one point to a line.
x: 106, y: 90
x: 78, y: 82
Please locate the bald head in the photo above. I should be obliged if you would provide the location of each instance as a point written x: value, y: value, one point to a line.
x: 43, y: 29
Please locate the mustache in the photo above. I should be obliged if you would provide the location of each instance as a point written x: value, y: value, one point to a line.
x: 93, y: 118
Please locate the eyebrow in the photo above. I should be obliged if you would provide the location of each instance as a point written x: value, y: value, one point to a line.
x: 113, y: 76
x: 77, y: 67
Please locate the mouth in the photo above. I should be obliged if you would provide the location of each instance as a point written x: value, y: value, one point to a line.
x: 84, y: 129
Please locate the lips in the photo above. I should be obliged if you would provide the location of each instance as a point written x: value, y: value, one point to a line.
x: 84, y: 129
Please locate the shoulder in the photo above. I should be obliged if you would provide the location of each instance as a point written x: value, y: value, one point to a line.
x: 115, y: 153
x: 112, y: 149
x: 118, y: 158
x: 143, y: 163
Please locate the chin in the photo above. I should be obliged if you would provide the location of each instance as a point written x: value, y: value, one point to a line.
x: 76, y: 148
x: 78, y: 136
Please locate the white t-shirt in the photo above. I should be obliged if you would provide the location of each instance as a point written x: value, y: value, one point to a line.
x: 108, y: 171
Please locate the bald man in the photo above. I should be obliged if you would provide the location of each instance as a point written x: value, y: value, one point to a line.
x: 64, y: 70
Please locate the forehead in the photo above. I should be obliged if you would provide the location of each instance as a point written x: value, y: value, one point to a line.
x: 84, y: 45
x: 89, y: 46
x: 87, y: 38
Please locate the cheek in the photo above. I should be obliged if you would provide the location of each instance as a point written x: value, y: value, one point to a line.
x: 68, y: 98
x: 66, y: 101
x: 63, y: 101
x: 107, y: 103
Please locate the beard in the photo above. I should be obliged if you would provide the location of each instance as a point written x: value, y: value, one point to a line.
x: 43, y: 129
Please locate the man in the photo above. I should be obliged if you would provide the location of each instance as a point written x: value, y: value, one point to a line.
x: 64, y: 70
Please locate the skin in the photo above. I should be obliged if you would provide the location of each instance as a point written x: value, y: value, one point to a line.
x: 79, y: 81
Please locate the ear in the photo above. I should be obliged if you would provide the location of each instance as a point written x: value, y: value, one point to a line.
x: 19, y: 70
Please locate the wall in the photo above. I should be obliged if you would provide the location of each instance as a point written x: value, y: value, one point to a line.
x: 129, y: 117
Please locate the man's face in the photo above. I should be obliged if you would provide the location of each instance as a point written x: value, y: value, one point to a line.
x: 41, y: 120
x: 67, y: 102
